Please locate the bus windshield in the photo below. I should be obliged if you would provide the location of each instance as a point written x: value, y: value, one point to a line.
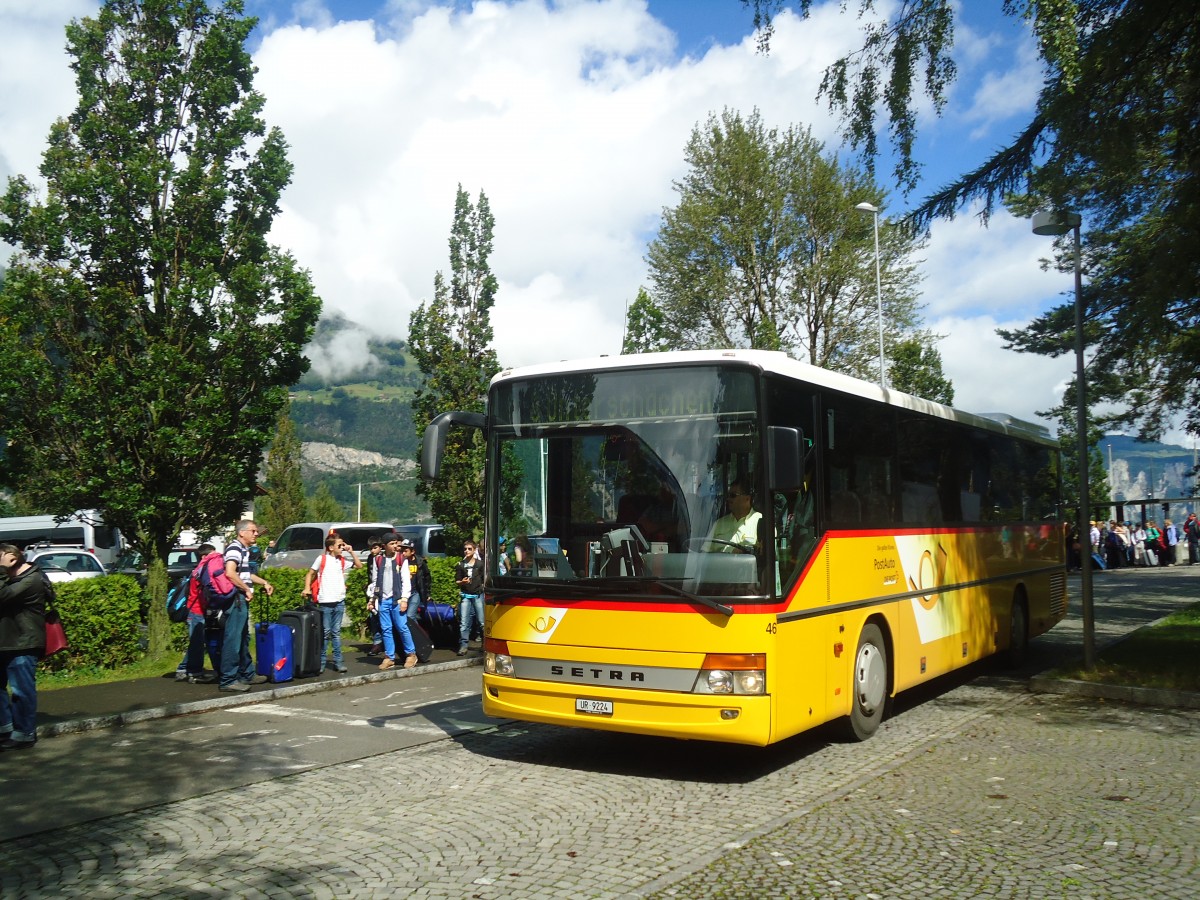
x: 627, y: 481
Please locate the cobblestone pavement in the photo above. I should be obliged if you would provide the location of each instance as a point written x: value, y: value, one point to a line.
x: 974, y: 788
x: 984, y: 790
x: 1048, y: 798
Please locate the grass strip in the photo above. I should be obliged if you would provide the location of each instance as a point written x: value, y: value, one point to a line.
x: 1165, y: 655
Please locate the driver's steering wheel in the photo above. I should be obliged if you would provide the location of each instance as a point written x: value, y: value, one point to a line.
x: 740, y: 548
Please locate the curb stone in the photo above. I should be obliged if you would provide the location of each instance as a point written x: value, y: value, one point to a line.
x: 114, y: 720
x: 1123, y: 692
x: 1048, y: 684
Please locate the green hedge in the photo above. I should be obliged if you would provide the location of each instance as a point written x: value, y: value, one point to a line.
x: 102, y: 619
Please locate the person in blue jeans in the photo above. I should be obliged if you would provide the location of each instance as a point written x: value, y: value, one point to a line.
x: 394, y: 587
x: 23, y: 596
x: 468, y: 575
x: 237, y: 667
x: 329, y: 574
x: 191, y: 667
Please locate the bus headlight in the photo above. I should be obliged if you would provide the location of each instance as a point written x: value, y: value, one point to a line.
x: 720, y: 682
x: 732, y: 673
x: 751, y: 682
x: 496, y: 660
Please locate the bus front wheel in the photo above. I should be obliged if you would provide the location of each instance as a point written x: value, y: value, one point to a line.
x: 869, y: 683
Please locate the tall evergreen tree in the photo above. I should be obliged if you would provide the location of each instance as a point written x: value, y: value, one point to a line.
x: 324, y: 507
x: 284, y: 503
x: 450, y: 339
x: 148, y: 329
x: 1112, y: 138
x: 765, y: 249
x: 1099, y: 490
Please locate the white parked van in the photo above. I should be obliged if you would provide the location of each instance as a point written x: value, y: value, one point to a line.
x: 83, y: 529
x: 299, y: 545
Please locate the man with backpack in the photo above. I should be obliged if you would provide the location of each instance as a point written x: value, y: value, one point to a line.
x: 393, y: 588
x: 191, y: 667
x: 237, y: 667
x: 325, y: 585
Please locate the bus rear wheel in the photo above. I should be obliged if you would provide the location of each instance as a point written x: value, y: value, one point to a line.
x: 1018, y: 634
x: 869, y: 684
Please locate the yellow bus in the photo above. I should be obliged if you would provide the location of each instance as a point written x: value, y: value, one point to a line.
x: 736, y: 546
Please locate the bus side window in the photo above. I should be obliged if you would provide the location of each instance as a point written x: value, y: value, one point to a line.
x: 793, y: 512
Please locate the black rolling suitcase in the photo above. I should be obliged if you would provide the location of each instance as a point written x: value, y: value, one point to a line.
x: 421, y: 641
x: 307, y: 637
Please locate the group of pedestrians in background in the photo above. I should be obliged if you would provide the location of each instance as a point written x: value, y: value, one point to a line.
x: 399, y: 583
x: 1124, y: 544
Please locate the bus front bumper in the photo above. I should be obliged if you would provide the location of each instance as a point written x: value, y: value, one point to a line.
x: 732, y: 718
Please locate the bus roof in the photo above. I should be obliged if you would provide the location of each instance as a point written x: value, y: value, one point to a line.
x: 778, y: 362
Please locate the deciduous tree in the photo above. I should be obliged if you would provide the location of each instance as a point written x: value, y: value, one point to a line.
x: 148, y: 329
x: 765, y: 249
x: 646, y: 329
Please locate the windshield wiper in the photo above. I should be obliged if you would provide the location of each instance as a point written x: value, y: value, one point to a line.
x: 589, y: 589
x: 696, y: 598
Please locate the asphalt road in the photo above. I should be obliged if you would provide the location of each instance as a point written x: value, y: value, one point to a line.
x: 142, y: 765
x: 975, y: 787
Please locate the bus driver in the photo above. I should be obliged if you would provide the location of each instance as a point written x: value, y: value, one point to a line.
x: 739, y: 528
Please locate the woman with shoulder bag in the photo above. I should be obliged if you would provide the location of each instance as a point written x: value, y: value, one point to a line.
x: 22, y: 643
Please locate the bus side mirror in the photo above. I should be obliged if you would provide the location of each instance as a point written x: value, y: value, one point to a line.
x: 433, y: 447
x: 785, y: 458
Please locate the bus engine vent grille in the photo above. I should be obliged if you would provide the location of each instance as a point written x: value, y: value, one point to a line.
x: 1058, y: 595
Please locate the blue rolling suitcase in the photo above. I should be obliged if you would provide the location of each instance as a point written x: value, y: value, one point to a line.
x: 273, y: 650
x: 440, y: 621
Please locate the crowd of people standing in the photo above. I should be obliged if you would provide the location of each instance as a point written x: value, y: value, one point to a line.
x: 1124, y: 544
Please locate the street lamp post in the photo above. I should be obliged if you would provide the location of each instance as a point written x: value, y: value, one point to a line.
x: 874, y: 211
x: 358, y: 515
x: 1047, y: 223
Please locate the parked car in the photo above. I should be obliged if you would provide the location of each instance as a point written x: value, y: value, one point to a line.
x: 77, y: 563
x: 430, y: 540
x: 299, y: 545
x: 180, y: 562
x: 54, y: 573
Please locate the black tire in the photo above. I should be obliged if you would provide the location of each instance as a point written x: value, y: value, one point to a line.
x: 1018, y: 634
x: 869, y: 680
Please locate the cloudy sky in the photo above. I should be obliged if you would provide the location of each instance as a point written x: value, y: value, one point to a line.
x: 571, y: 116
